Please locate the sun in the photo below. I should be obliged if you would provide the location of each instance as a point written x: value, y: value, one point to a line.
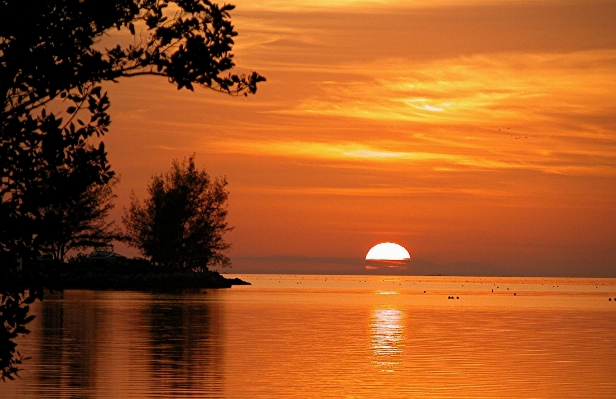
x: 387, y: 256
x: 388, y: 251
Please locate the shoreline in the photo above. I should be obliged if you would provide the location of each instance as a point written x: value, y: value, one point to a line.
x: 129, y: 276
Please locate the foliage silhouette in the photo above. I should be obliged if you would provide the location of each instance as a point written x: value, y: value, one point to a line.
x: 79, y: 221
x: 182, y: 223
x: 52, y: 65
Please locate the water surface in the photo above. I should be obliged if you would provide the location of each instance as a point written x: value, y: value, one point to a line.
x: 328, y: 337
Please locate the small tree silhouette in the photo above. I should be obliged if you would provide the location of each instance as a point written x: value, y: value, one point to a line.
x: 182, y: 223
x: 79, y: 221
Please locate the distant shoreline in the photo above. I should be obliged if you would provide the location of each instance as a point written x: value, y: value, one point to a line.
x: 364, y: 274
x: 129, y: 275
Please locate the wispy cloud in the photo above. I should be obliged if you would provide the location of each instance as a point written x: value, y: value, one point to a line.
x: 442, y: 159
x: 477, y: 89
x: 363, y: 5
x: 550, y: 112
x: 340, y: 151
x: 375, y: 191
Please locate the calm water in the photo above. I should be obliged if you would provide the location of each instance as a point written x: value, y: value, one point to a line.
x: 329, y: 337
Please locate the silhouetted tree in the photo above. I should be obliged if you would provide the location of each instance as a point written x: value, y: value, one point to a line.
x: 50, y: 55
x: 181, y: 224
x: 78, y: 222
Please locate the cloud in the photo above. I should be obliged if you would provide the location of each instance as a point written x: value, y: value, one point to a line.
x: 478, y: 89
x: 543, y: 111
x: 363, y: 5
x: 348, y: 151
x: 374, y: 264
x: 443, y: 158
x: 378, y: 191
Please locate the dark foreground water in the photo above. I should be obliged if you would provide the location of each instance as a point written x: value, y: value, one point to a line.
x: 328, y: 337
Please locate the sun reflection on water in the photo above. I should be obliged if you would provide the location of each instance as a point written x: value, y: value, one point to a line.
x: 387, y: 336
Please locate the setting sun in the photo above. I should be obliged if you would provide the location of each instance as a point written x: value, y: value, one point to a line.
x: 388, y: 251
x: 387, y: 256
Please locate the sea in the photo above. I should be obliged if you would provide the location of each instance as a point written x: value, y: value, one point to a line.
x: 327, y: 336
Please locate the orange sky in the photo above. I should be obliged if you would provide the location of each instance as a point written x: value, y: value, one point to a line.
x: 482, y: 136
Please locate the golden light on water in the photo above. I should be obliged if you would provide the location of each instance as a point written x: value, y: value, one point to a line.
x: 387, y: 338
